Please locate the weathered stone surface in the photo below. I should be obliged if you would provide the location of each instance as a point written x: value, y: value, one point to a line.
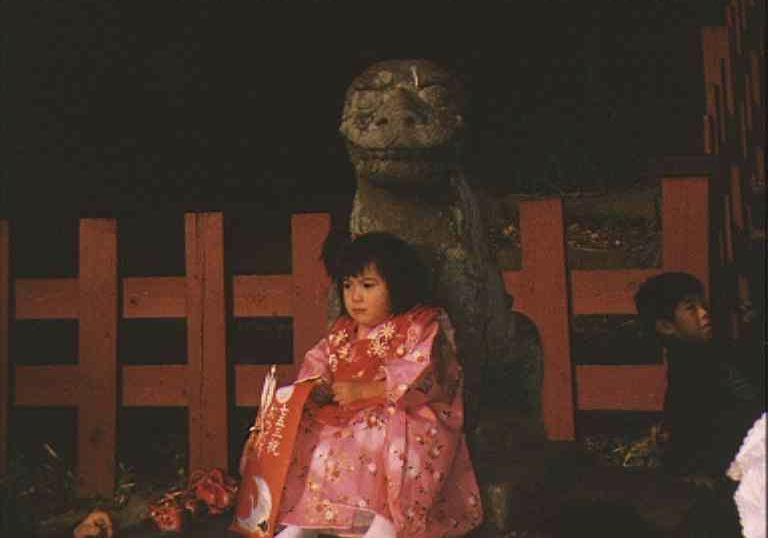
x: 403, y: 124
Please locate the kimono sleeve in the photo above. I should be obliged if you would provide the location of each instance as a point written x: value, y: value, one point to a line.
x: 315, y: 363
x: 412, y: 379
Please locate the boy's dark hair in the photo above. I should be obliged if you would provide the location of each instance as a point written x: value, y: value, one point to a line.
x: 398, y: 263
x: 657, y: 297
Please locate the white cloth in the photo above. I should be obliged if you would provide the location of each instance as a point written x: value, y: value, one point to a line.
x: 748, y: 468
x: 381, y: 528
x: 292, y: 531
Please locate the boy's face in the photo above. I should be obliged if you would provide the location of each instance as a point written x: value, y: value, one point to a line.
x: 690, y: 321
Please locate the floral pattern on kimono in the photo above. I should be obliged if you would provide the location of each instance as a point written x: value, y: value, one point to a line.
x: 402, y: 456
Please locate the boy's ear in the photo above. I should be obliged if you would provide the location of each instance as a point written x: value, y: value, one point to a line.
x: 665, y: 327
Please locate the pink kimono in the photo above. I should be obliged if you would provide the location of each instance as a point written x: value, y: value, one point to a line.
x: 403, y: 456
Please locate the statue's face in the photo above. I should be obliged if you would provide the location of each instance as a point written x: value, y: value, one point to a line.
x: 398, y: 116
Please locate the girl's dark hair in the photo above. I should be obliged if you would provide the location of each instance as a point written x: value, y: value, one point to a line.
x: 398, y: 263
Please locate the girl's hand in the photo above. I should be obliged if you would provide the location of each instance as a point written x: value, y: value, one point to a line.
x: 346, y: 392
x: 321, y: 394
x: 95, y: 525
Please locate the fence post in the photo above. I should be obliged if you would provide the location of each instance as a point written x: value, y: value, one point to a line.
x: 541, y: 291
x: 308, y: 231
x: 97, y: 349
x: 206, y: 341
x: 685, y: 226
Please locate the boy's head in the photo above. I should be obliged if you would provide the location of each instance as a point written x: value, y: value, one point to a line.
x: 672, y: 305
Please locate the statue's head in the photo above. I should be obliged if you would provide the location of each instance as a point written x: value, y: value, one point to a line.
x: 403, y: 121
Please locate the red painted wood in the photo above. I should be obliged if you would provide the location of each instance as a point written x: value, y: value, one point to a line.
x: 154, y: 297
x: 263, y: 295
x: 5, y: 384
x: 97, y: 344
x: 737, y: 202
x: 714, y: 40
x: 747, y: 103
x: 544, y: 294
x: 194, y: 309
x: 629, y: 388
x: 249, y: 379
x: 714, y: 43
x: 161, y: 386
x: 46, y: 298
x: 728, y: 251
x: 607, y: 291
x: 310, y: 283
x: 708, y: 136
x: 214, y: 451
x: 755, y: 78
x: 685, y: 226
x: 48, y: 386
x: 206, y: 360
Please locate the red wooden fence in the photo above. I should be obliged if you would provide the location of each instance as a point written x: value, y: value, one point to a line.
x: 544, y: 289
x: 734, y: 134
x: 549, y: 294
x: 200, y: 385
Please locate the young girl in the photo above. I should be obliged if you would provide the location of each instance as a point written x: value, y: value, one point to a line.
x: 381, y: 451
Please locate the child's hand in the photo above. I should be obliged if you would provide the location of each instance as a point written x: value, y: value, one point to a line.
x: 96, y: 524
x: 321, y: 394
x: 346, y: 392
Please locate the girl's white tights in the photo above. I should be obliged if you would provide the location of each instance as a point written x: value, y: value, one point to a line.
x: 380, y: 528
x: 292, y: 531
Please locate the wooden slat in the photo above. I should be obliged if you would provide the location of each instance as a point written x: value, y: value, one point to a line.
x: 249, y: 379
x: 97, y: 413
x: 206, y: 358
x: 544, y: 294
x: 737, y: 201
x: 310, y: 283
x: 214, y: 382
x: 46, y: 298
x: 754, y: 66
x: 263, y: 295
x: 151, y: 386
x: 727, y: 229
x: 5, y: 387
x: 714, y: 41
x: 628, y: 388
x: 606, y: 291
x: 154, y: 297
x: 194, y: 294
x: 47, y: 385
x: 685, y: 226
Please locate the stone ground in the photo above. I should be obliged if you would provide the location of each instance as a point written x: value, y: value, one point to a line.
x: 583, y: 500
x: 536, y: 488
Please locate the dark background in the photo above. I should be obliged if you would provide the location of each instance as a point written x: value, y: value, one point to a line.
x: 143, y: 109
x: 111, y: 107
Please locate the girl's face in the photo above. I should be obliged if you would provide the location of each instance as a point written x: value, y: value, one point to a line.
x: 366, y: 298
